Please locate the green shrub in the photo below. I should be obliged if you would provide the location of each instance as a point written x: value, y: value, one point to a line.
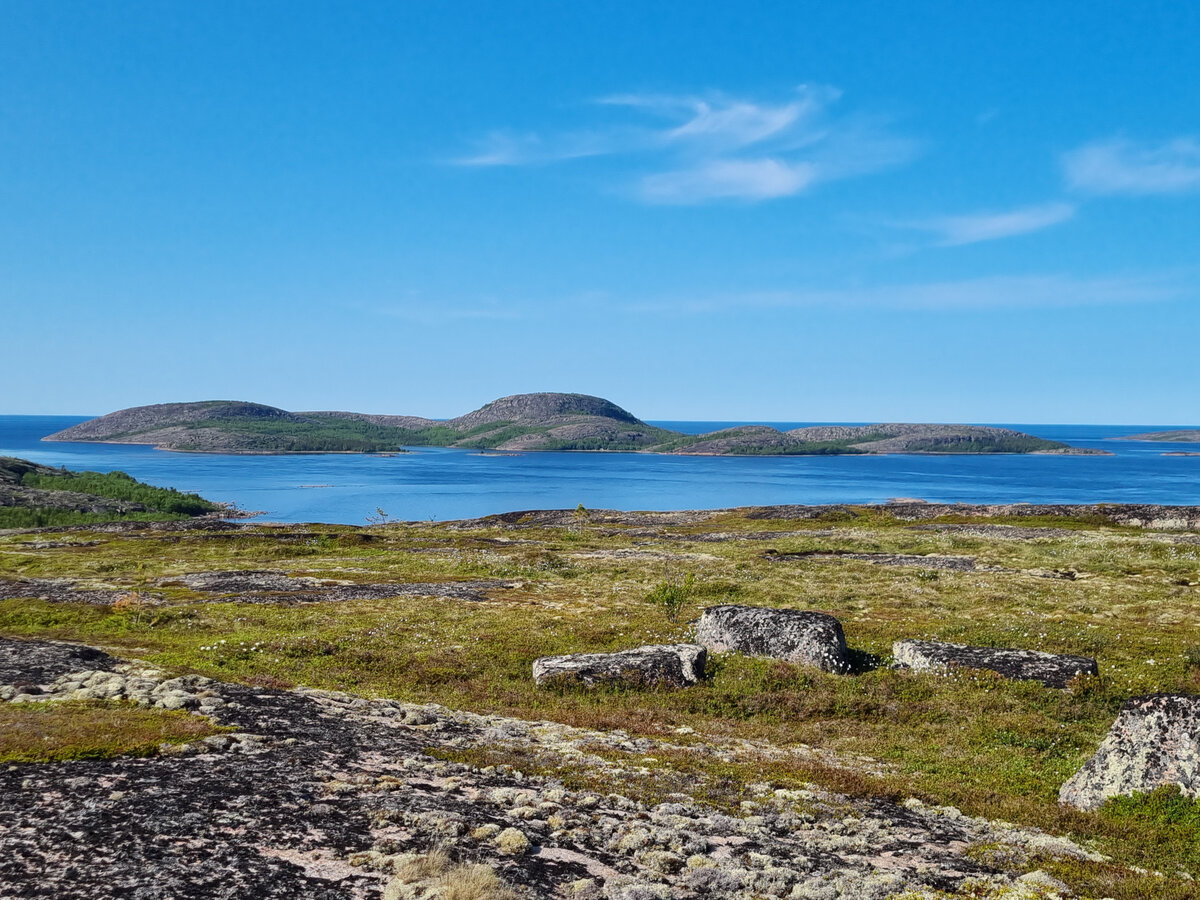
x: 671, y: 595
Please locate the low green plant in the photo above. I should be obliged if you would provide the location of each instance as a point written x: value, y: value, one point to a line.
x: 671, y: 594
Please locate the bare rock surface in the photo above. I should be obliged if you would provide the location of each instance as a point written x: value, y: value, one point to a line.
x: 1051, y: 669
x: 64, y: 590
x: 1002, y: 532
x: 656, y: 665
x: 250, y: 586
x: 1138, y: 515
x: 1155, y: 741
x: 953, y: 563
x: 28, y: 663
x: 323, y: 795
x: 797, y: 636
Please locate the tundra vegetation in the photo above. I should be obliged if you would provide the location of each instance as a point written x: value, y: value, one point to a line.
x: 594, y: 583
x: 35, y: 496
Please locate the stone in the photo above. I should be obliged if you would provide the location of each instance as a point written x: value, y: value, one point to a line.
x: 1154, y: 742
x: 655, y: 665
x: 797, y: 636
x: 1051, y: 669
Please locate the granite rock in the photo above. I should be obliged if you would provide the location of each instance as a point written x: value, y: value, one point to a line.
x: 671, y: 665
x: 1051, y: 669
x: 1154, y: 742
x: 797, y: 636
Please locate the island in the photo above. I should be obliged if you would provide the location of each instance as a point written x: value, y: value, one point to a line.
x: 1173, y: 436
x: 521, y: 422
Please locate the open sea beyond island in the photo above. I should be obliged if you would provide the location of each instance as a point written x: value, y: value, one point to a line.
x: 433, y: 483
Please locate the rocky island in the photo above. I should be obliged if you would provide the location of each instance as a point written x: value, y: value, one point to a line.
x: 541, y: 421
x: 1173, y: 436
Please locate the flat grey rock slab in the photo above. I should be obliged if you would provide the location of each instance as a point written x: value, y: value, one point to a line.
x: 1051, y: 669
x: 31, y: 662
x: 655, y: 665
x: 1154, y: 742
x: 796, y: 636
x: 953, y: 563
x: 270, y: 586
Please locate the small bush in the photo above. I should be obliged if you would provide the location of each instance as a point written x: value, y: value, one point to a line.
x: 671, y: 595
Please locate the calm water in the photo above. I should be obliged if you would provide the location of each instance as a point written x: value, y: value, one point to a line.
x: 436, y: 483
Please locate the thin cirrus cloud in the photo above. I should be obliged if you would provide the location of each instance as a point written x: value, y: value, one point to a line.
x: 683, y: 149
x: 954, y: 231
x: 989, y: 292
x: 1122, y: 166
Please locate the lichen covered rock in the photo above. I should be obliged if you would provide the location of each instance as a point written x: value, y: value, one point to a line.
x: 655, y: 665
x: 808, y: 638
x: 1051, y: 669
x: 1154, y: 742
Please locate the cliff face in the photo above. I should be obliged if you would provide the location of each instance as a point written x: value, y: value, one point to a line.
x: 542, y: 421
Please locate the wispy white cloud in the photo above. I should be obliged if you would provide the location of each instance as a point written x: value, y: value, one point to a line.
x: 1124, y: 167
x: 506, y: 149
x: 953, y: 231
x: 684, y: 149
x: 745, y: 179
x: 992, y: 292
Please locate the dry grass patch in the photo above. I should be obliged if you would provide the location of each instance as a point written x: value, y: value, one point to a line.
x: 447, y: 880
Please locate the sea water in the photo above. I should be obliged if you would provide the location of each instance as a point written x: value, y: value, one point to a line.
x: 434, y: 483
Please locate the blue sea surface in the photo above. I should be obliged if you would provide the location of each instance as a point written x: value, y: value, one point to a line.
x: 437, y: 484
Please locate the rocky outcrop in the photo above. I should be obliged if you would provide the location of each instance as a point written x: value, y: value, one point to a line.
x: 1136, y: 515
x: 325, y: 796
x: 268, y: 586
x: 797, y: 636
x: 1051, y: 669
x: 952, y: 563
x: 1154, y: 742
x: 659, y: 665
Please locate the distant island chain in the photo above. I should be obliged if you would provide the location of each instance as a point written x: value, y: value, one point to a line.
x: 521, y: 422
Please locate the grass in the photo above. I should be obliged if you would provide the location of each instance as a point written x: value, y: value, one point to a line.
x: 92, y: 729
x: 990, y: 747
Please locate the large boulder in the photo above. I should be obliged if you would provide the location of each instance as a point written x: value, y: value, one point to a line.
x: 657, y: 665
x: 1051, y: 669
x: 1154, y: 742
x: 797, y: 636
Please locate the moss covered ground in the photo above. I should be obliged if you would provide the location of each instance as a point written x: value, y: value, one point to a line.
x: 989, y: 747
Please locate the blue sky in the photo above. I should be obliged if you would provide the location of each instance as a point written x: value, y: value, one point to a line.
x: 930, y: 211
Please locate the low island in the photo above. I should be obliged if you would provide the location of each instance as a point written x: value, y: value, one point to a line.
x: 541, y: 421
x: 1171, y: 436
